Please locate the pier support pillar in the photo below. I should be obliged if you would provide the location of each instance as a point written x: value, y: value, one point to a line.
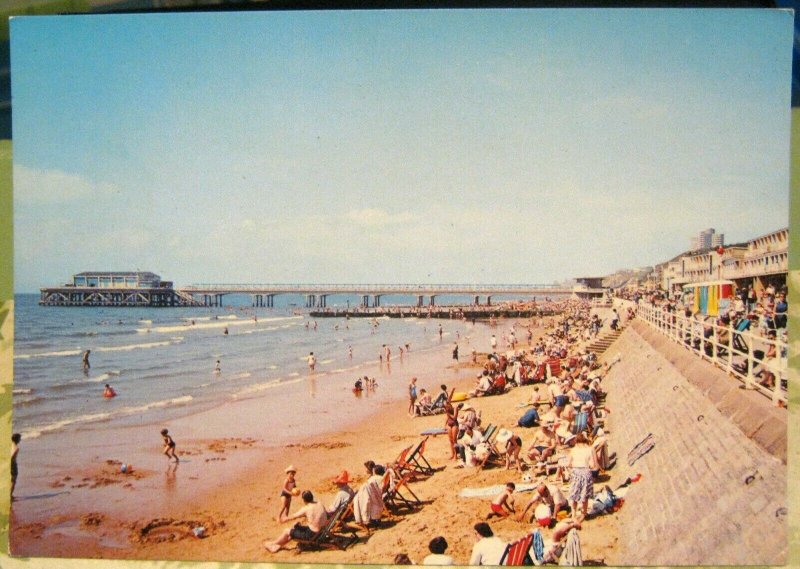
x: 258, y: 300
x: 477, y: 300
x: 270, y: 300
x: 420, y: 301
x: 311, y: 301
x: 488, y: 300
x: 365, y: 301
x: 433, y: 300
x: 376, y: 300
x: 323, y: 300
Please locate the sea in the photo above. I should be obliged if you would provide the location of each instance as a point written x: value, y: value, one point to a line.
x: 161, y: 361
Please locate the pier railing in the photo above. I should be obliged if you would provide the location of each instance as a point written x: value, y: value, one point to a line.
x: 736, y: 349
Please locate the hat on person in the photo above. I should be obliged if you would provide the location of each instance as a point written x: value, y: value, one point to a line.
x: 504, y: 435
x: 290, y: 468
x: 467, y: 407
x: 343, y: 478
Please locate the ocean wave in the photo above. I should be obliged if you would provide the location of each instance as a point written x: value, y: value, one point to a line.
x: 241, y: 375
x: 48, y: 354
x: 36, y: 432
x: 22, y: 391
x: 129, y: 347
x: 327, y: 361
x: 213, y: 324
x: 259, y: 387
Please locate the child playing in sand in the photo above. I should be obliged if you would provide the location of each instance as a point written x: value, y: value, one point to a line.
x: 169, y: 445
x: 503, y: 504
x: 289, y: 489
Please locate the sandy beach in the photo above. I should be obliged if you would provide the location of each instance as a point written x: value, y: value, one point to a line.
x: 229, y: 484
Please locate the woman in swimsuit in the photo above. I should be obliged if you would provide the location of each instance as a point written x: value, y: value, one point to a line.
x: 452, y: 426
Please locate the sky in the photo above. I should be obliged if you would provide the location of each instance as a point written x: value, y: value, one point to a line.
x: 430, y: 146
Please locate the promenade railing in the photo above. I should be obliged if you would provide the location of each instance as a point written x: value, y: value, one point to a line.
x: 735, y: 348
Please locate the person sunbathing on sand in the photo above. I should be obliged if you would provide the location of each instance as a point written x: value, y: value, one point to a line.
x: 544, y: 443
x: 554, y: 548
x: 315, y: 515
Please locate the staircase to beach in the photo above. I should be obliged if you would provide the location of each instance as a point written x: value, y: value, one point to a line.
x: 601, y: 344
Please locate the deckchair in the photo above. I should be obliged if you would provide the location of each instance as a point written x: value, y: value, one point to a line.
x: 401, y: 458
x: 433, y: 409
x: 555, y: 366
x: 394, y: 498
x: 416, y: 461
x: 581, y: 422
x: 516, y: 553
x: 325, y: 538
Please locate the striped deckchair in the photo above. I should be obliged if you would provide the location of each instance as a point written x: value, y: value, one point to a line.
x: 516, y: 553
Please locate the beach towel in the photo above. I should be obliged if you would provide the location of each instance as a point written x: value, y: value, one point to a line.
x: 537, y: 547
x: 493, y: 490
x: 571, y: 557
x: 641, y: 448
x: 368, y: 501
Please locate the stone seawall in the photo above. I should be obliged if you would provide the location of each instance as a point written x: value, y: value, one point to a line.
x: 713, y: 488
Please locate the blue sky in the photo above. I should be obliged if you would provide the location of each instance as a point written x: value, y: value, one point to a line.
x: 514, y: 146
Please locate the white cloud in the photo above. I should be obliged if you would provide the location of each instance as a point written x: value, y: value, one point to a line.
x: 34, y: 186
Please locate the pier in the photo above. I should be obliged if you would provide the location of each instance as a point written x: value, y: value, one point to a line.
x: 124, y: 289
x: 371, y: 295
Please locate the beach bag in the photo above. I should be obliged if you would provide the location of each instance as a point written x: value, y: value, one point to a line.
x: 529, y: 419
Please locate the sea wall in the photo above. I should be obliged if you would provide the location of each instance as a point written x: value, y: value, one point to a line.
x: 713, y: 488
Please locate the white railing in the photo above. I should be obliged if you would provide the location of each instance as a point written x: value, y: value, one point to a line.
x: 739, y: 351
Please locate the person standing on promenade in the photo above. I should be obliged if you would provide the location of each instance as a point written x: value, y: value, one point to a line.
x: 412, y: 396
x: 169, y: 445
x: 86, y: 364
x: 15, y: 440
x: 312, y: 361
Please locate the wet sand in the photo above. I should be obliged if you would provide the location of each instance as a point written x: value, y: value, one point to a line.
x: 232, y: 473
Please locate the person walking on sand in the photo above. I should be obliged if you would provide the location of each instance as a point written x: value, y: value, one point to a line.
x: 15, y: 440
x: 169, y: 445
x: 86, y: 364
x: 312, y: 361
x: 289, y: 489
x: 455, y: 351
x: 412, y: 396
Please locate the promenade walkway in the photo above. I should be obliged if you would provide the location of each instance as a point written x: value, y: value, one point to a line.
x: 708, y: 493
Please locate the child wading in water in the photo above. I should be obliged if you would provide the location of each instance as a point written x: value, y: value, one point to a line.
x: 503, y: 504
x: 169, y: 445
x: 289, y: 489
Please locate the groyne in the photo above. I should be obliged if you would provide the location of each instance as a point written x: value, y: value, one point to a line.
x: 713, y: 488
